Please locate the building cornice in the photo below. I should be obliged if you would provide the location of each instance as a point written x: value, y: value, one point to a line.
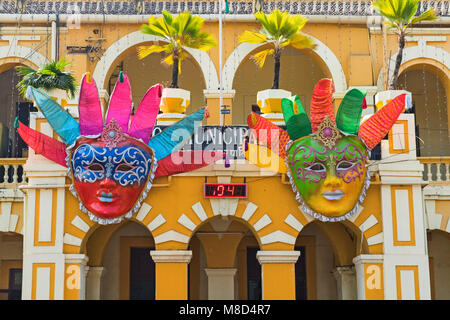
x: 237, y: 8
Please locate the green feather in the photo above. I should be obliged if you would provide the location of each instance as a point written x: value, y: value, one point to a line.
x: 121, y: 77
x: 349, y: 113
x: 297, y: 125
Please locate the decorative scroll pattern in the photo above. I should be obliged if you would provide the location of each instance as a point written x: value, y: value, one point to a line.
x: 126, y: 165
x: 139, y: 7
x: 351, y: 162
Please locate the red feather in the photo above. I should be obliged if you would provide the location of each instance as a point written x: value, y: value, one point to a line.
x: 50, y: 148
x: 322, y: 103
x: 265, y: 130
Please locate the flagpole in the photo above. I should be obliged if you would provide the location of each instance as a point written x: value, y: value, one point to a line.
x: 220, y: 63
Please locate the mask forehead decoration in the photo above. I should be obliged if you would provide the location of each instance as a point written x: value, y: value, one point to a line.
x: 112, y: 163
x: 326, y: 157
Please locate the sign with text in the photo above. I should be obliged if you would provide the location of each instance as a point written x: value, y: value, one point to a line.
x: 227, y: 139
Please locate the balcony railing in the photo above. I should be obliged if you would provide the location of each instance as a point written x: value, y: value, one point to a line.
x: 436, y: 169
x: 11, y: 172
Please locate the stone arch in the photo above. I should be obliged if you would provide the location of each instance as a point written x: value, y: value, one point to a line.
x: 98, y: 236
x: 364, y: 225
x: 14, y: 54
x: 437, y: 64
x: 220, y: 253
x: 329, y: 59
x: 227, y: 209
x: 340, y: 238
x: 417, y: 55
x: 102, y: 69
x: 231, y: 219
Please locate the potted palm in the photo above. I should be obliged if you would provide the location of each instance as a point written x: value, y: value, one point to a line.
x: 52, y: 78
x: 400, y: 16
x: 180, y: 32
x: 279, y: 30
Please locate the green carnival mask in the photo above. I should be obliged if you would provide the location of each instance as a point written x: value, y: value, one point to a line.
x: 328, y: 172
x: 326, y: 154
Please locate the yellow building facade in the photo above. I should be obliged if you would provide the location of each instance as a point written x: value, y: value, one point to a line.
x: 183, y: 245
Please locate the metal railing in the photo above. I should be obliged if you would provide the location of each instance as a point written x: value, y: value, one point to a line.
x: 436, y: 169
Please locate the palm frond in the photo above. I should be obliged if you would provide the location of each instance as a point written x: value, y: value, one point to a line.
x: 50, y: 76
x: 429, y: 15
x: 279, y: 29
x: 260, y: 57
x: 144, y: 51
x: 400, y: 14
x: 182, y: 31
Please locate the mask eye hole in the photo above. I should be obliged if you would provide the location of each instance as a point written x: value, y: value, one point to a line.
x: 95, y: 167
x: 124, y: 167
x: 319, y: 167
x: 344, y: 165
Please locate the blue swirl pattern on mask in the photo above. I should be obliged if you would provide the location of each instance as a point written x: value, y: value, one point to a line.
x: 127, y: 165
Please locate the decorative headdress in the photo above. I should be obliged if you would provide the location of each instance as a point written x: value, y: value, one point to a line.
x: 327, y: 130
x: 158, y: 153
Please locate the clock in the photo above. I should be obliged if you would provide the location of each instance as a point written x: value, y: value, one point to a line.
x: 225, y: 190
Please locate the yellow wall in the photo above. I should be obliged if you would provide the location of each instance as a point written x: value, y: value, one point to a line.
x: 268, y: 193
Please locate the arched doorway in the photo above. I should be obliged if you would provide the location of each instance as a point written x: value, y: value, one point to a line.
x: 11, y: 261
x: 430, y: 105
x: 120, y: 265
x: 149, y: 71
x: 224, y: 264
x: 12, y: 105
x: 439, y: 259
x: 299, y: 73
x: 324, y: 270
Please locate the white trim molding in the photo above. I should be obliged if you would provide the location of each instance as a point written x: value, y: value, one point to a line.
x: 326, y: 54
x: 422, y: 50
x: 13, y: 50
x: 171, y: 256
x: 277, y: 256
x: 134, y: 38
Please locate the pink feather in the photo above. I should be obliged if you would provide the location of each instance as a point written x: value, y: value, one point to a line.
x: 120, y: 104
x: 89, y: 108
x: 143, y: 121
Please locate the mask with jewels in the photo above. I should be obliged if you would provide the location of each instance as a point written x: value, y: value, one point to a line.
x: 325, y: 155
x: 328, y: 171
x: 111, y: 172
x: 113, y: 161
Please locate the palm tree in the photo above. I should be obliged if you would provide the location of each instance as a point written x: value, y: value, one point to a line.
x: 279, y: 30
x: 50, y: 76
x: 179, y: 32
x: 401, y: 15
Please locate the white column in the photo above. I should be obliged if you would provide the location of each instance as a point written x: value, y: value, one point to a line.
x: 171, y: 273
x: 278, y: 267
x: 77, y: 280
x: 94, y: 282
x: 405, y: 259
x: 43, y: 231
x: 346, y: 282
x: 369, y: 277
x: 54, y: 41
x: 221, y: 283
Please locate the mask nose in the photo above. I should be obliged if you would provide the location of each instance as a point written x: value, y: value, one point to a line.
x: 332, y: 182
x: 107, y: 183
